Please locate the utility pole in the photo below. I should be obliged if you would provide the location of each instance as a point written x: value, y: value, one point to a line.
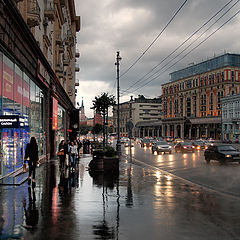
x: 118, y: 106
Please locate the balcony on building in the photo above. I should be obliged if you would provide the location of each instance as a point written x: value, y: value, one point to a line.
x: 77, y: 68
x: 49, y: 11
x: 58, y: 37
x: 77, y: 53
x: 66, y: 61
x: 76, y: 82
x: 63, y: 3
x: 59, y: 68
x: 61, y: 48
x: 33, y: 13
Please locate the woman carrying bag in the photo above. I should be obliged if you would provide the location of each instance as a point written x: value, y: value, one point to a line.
x: 31, y: 152
x: 61, y: 153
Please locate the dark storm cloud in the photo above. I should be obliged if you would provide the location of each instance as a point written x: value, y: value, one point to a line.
x: 129, y: 26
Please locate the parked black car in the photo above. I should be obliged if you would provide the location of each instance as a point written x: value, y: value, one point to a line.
x: 222, y: 153
x: 184, y: 147
x: 161, y: 147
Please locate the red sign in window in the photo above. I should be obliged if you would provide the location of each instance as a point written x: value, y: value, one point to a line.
x: 55, y: 112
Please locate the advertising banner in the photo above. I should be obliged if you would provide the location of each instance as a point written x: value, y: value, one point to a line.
x: 55, y: 114
x: 7, y: 82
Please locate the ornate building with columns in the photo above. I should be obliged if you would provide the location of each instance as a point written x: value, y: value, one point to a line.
x: 192, y: 99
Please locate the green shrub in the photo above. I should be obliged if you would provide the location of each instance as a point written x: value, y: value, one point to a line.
x: 109, y: 151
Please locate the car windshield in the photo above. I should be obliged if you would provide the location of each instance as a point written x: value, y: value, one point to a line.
x: 198, y: 143
x: 226, y: 148
x: 146, y: 140
x: 186, y: 143
x: 162, y: 143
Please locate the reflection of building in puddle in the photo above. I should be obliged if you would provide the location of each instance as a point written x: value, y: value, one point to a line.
x: 103, y: 229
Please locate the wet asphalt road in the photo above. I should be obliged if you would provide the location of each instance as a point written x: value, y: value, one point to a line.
x: 223, y: 178
x: 144, y: 202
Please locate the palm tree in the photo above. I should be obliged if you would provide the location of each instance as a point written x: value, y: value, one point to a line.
x: 101, y: 105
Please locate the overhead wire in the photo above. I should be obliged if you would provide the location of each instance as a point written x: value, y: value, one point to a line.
x: 194, y: 33
x: 135, y: 62
x: 190, y: 51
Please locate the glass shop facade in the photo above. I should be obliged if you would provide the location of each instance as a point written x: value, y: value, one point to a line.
x: 22, y: 98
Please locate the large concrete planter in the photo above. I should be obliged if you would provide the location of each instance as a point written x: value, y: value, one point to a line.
x: 105, y: 164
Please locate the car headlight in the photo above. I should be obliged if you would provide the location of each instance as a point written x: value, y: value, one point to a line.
x: 184, y: 147
x: 193, y: 147
x: 170, y: 146
x: 228, y: 156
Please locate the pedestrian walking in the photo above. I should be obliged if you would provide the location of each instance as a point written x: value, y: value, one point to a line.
x: 73, y: 154
x: 31, y: 153
x: 62, y: 154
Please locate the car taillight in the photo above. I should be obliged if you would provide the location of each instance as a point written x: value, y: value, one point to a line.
x: 198, y: 148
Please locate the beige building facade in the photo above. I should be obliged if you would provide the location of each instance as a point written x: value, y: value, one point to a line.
x: 143, y: 110
x: 54, y: 25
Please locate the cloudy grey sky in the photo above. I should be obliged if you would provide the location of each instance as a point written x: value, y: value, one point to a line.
x: 130, y: 26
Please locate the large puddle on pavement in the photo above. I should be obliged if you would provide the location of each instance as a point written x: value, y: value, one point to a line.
x: 140, y: 203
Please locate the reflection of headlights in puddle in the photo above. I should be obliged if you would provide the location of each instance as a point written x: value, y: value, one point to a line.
x: 160, y: 158
x: 193, y: 156
x: 158, y: 175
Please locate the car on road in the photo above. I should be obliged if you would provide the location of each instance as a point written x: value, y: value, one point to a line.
x: 184, y: 147
x: 199, y: 145
x: 127, y: 144
x: 146, y: 142
x: 178, y: 140
x: 161, y: 147
x: 124, y: 139
x: 222, y: 153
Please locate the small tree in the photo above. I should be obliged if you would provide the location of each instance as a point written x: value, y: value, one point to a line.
x: 101, y: 105
x: 97, y: 128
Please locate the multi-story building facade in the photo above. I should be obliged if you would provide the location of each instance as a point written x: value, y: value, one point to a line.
x: 54, y: 25
x: 32, y: 93
x: 143, y: 110
x: 231, y: 117
x: 192, y: 98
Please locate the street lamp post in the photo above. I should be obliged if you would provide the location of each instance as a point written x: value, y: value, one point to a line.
x: 118, y: 107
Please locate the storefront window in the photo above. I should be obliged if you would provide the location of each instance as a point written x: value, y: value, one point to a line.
x: 60, y: 132
x: 19, y: 95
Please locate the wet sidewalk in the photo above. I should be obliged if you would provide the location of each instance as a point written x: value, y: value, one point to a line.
x: 142, y: 203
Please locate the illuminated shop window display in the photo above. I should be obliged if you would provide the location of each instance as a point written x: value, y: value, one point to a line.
x: 19, y: 96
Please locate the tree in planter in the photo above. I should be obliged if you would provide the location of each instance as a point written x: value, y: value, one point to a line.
x: 101, y: 105
x: 84, y: 129
x: 97, y: 128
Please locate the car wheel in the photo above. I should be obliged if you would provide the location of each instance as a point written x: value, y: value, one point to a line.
x: 207, y: 160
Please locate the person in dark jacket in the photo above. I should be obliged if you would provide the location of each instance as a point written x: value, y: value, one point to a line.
x: 31, y: 152
x: 61, y: 148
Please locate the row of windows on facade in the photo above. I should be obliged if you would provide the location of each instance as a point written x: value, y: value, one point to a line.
x: 193, y: 99
x: 198, y: 82
x: 231, y: 127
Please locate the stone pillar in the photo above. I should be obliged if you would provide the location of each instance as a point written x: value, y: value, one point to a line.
x: 190, y: 133
x: 168, y: 130
x: 158, y: 129
x: 139, y: 132
x: 163, y: 132
x: 206, y: 131
x: 175, y: 131
x: 198, y: 133
x: 148, y: 132
x: 182, y: 130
